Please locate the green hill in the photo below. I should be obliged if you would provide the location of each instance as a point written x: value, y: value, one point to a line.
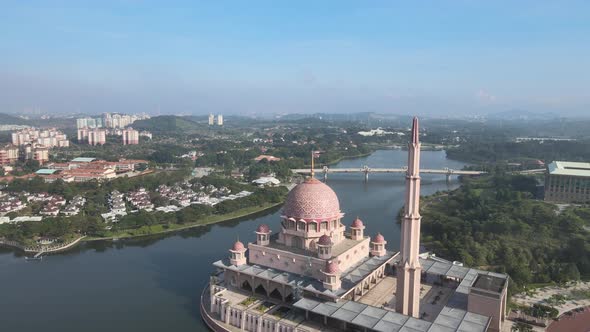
x: 167, y: 124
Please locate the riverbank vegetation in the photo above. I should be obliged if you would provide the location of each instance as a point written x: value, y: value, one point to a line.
x: 489, y: 151
x: 89, y: 221
x: 494, y: 223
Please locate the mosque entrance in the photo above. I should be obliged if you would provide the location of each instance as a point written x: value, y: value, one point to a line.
x: 297, y: 242
x: 275, y: 294
x: 246, y: 286
x: 260, y: 290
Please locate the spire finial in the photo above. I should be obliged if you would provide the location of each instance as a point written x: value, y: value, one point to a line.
x: 415, y: 131
x: 312, y: 164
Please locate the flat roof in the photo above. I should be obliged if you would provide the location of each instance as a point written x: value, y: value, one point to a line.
x: 45, y: 171
x: 379, y: 319
x: 570, y: 168
x: 83, y: 159
x: 489, y: 283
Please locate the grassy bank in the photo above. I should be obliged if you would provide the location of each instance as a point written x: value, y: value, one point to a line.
x: 167, y: 228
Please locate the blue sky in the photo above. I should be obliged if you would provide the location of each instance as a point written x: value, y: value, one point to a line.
x: 248, y: 57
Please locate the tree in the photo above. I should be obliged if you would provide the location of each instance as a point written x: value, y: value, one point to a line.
x: 521, y: 327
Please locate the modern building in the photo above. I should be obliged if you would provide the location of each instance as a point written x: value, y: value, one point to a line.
x: 41, y: 154
x: 8, y: 154
x: 567, y: 182
x: 220, y: 120
x: 47, y: 137
x: 82, y: 134
x: 317, y: 274
x: 211, y: 119
x: 97, y: 136
x: 130, y: 136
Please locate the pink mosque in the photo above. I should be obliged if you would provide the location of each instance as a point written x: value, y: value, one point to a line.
x: 314, y: 274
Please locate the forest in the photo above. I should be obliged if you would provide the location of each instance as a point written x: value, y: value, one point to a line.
x: 494, y: 223
x: 502, y: 151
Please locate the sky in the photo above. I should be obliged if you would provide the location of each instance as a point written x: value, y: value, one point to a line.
x: 440, y: 57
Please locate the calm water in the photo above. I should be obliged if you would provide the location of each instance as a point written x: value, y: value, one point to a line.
x: 154, y: 284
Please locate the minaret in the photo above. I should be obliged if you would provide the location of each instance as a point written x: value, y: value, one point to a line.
x: 408, y: 269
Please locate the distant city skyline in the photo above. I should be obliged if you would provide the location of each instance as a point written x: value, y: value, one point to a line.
x: 431, y: 58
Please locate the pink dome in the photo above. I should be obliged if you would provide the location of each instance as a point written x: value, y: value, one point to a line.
x: 312, y: 199
x: 379, y: 238
x: 238, y: 246
x: 357, y: 223
x: 325, y: 240
x: 263, y: 228
x: 332, y: 267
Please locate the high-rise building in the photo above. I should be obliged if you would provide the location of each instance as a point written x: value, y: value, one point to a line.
x: 220, y: 120
x: 81, y: 123
x: 47, y: 137
x: 41, y: 154
x: 107, y: 120
x: 82, y: 134
x: 130, y: 136
x: 211, y: 119
x: 97, y: 136
x: 8, y: 154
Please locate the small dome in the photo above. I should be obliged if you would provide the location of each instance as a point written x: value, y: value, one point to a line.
x: 357, y: 223
x: 238, y: 246
x: 263, y: 228
x: 312, y: 199
x: 325, y: 240
x: 332, y: 267
x: 379, y: 238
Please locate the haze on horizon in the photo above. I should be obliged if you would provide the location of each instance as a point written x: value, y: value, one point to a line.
x: 246, y: 57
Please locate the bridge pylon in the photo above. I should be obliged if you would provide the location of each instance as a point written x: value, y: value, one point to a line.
x: 366, y: 170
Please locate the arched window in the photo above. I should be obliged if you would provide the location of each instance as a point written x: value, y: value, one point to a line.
x: 301, y: 226
x: 324, y: 226
x: 313, y: 226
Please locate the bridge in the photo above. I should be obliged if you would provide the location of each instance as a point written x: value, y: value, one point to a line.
x: 366, y: 170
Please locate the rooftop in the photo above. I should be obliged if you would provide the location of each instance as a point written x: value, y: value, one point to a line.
x: 83, y: 159
x: 379, y: 319
x: 45, y: 171
x: 489, y: 283
x: 569, y: 168
x: 337, y: 249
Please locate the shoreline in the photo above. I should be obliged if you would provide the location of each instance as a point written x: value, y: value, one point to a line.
x: 185, y: 227
x: 17, y: 246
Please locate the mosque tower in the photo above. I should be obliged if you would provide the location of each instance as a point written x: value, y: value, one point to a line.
x: 409, y: 270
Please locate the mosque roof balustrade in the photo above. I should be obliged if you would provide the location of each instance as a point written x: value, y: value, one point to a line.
x: 338, y: 249
x: 311, y: 227
x: 349, y: 278
x: 378, y: 319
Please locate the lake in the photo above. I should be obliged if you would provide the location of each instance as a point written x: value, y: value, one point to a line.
x: 153, y: 284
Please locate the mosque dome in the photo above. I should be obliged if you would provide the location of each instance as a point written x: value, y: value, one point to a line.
x: 312, y: 200
x: 332, y: 267
x: 325, y: 240
x: 238, y: 246
x: 263, y: 228
x: 357, y: 223
x: 378, y: 238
